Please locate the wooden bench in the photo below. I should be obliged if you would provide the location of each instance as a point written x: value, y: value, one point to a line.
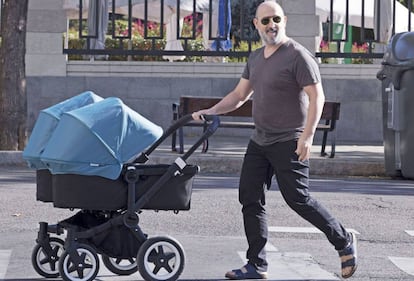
x: 189, y: 104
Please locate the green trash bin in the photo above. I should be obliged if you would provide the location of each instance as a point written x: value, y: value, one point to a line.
x: 397, y: 78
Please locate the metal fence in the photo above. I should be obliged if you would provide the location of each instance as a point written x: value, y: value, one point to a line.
x: 153, y: 41
x: 379, y: 20
x: 115, y: 29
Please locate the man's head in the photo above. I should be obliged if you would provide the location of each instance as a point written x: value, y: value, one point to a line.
x: 270, y: 22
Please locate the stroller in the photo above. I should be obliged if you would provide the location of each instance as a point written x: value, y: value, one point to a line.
x: 107, y: 222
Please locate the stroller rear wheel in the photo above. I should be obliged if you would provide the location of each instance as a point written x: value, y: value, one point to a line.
x: 120, y: 266
x: 85, y: 268
x: 45, y: 262
x: 161, y: 259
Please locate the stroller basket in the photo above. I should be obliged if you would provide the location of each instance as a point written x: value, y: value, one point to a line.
x: 117, y: 241
x: 99, y: 193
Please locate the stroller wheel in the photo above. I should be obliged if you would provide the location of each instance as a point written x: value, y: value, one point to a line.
x: 85, y: 269
x: 120, y: 266
x: 46, y: 263
x: 161, y: 258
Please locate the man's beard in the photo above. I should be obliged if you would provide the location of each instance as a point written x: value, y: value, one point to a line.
x: 271, y: 40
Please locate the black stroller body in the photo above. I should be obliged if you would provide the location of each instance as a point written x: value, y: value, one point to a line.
x: 107, y: 222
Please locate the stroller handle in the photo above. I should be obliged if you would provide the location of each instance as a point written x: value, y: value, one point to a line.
x: 213, y: 122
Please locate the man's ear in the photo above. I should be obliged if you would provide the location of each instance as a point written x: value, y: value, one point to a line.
x: 255, y: 22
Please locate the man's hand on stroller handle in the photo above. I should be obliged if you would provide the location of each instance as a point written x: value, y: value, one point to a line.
x: 199, y: 115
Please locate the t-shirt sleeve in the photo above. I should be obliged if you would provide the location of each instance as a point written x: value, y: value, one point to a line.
x: 307, y: 69
x: 246, y: 72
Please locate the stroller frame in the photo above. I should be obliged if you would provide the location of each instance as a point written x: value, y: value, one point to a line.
x: 78, y: 253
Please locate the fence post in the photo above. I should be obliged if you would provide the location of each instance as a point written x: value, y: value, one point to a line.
x: 303, y: 24
x: 44, y: 38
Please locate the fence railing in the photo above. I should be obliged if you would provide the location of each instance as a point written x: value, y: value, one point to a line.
x: 139, y: 29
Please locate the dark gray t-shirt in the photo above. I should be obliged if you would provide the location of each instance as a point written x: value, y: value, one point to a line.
x: 279, y: 102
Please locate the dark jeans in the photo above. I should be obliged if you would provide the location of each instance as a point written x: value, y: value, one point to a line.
x: 260, y: 162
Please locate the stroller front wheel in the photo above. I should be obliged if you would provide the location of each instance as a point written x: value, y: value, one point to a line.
x: 161, y: 259
x: 120, y: 266
x: 83, y: 266
x: 45, y: 261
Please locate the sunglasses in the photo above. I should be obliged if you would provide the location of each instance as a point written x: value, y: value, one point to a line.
x: 275, y: 19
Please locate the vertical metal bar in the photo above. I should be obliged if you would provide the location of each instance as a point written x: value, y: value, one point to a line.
x: 378, y: 16
x: 1, y: 16
x: 113, y: 19
x: 194, y: 20
x: 178, y: 10
x: 347, y: 21
x: 80, y: 19
x: 145, y: 19
x: 362, y: 35
x: 331, y: 21
x: 162, y: 20
x: 210, y: 15
x: 129, y: 18
x: 177, y: 20
x: 393, y: 16
x: 410, y: 9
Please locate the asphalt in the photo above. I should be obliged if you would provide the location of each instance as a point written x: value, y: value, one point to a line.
x: 225, y: 156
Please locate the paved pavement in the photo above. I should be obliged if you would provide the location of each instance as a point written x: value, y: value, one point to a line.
x: 225, y: 156
x: 380, y: 211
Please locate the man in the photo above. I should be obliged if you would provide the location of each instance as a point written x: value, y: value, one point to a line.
x: 284, y: 81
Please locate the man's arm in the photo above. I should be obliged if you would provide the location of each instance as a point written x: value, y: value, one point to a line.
x: 316, y: 102
x: 233, y: 100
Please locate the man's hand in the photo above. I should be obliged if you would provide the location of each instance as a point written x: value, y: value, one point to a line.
x: 303, y: 148
x: 197, y: 115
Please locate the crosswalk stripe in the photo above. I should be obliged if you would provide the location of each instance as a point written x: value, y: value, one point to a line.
x: 405, y: 264
x: 270, y: 248
x: 4, y: 262
x: 288, y: 229
x: 293, y: 266
x: 410, y: 232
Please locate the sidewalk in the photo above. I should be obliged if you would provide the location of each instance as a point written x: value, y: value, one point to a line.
x: 225, y: 156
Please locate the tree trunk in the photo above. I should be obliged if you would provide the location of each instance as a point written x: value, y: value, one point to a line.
x: 13, y: 100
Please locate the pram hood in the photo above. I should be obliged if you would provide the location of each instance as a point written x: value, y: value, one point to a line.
x: 98, y: 139
x: 46, y: 124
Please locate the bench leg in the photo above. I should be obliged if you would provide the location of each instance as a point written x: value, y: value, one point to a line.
x: 174, y: 134
x: 325, y: 137
x: 174, y: 141
x: 333, y: 136
x: 205, y: 142
x: 181, y: 140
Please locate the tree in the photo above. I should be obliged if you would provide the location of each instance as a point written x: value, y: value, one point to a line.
x: 13, y: 100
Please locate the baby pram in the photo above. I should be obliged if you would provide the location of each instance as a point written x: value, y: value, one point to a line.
x: 107, y: 222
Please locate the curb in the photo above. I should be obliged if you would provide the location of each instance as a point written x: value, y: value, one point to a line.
x: 12, y: 158
x: 231, y: 164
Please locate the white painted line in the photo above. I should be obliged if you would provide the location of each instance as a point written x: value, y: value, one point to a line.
x: 4, y: 262
x: 405, y: 264
x: 270, y: 248
x: 294, y: 266
x: 410, y: 232
x: 288, y: 229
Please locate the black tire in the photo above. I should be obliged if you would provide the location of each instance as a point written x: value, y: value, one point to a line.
x: 86, y: 271
x: 120, y: 266
x: 45, y: 265
x: 161, y: 259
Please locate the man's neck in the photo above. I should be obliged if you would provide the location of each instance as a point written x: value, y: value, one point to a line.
x: 271, y: 48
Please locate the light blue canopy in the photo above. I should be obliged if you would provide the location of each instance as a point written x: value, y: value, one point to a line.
x: 46, y: 124
x: 98, y: 139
